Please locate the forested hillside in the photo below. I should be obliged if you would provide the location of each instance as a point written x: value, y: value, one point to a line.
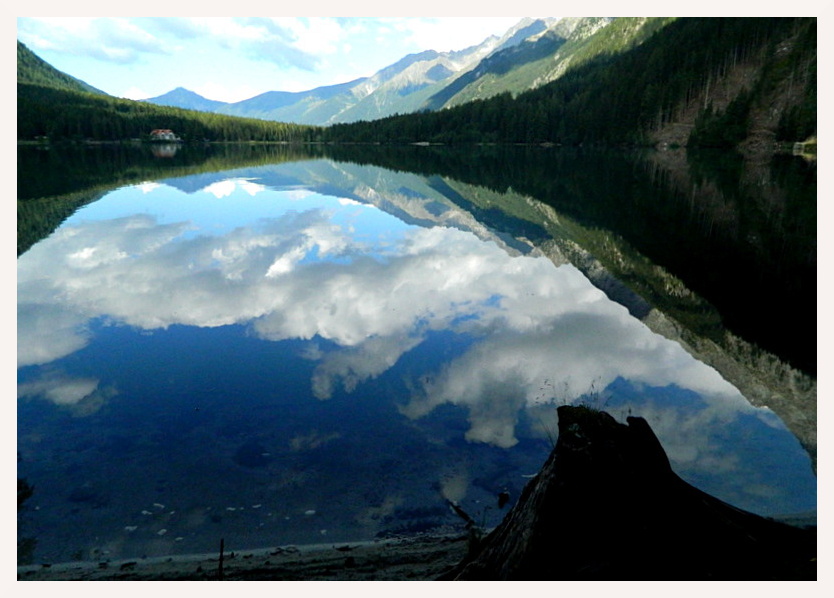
x: 52, y: 105
x: 55, y: 114
x: 712, y: 82
x: 615, y: 99
x: 34, y: 71
x: 571, y: 43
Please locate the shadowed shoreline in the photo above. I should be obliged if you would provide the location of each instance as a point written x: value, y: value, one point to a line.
x: 606, y: 506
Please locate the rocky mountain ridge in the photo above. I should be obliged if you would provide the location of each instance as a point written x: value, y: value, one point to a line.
x: 425, y: 80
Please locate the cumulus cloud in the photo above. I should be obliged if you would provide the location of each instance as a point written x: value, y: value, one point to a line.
x: 358, y: 364
x: 584, y: 349
x: 227, y: 187
x: 177, y: 27
x: 284, y: 41
x: 450, y: 33
x: 59, y: 388
x: 113, y: 39
x: 234, y: 58
x: 47, y: 331
x: 281, y: 54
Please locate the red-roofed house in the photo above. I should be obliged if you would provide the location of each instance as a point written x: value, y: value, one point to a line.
x: 163, y: 135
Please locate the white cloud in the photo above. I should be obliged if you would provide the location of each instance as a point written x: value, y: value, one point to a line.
x: 355, y: 365
x: 315, y: 35
x: 227, y: 187
x: 135, y: 93
x: 235, y: 58
x: 586, y: 347
x: 59, y: 388
x: 148, y: 187
x: 452, y: 33
x: 250, y: 188
x: 47, y: 331
x: 110, y: 39
x: 229, y: 30
x: 221, y: 188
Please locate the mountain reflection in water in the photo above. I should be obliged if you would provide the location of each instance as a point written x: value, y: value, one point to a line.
x: 321, y: 352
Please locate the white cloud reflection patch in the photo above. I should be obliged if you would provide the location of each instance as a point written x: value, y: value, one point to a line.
x: 305, y: 274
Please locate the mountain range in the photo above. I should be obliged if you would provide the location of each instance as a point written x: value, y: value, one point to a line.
x: 747, y: 82
x: 530, y: 54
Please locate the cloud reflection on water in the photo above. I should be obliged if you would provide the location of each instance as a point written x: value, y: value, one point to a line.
x: 302, y: 276
x: 363, y: 298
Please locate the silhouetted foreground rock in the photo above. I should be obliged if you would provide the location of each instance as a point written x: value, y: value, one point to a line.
x: 607, y: 505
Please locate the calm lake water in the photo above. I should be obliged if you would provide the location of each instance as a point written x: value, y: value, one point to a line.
x: 310, y: 351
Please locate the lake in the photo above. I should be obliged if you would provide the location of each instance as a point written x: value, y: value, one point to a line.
x: 276, y: 346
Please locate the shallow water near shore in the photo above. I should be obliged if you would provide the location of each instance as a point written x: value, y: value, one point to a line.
x: 321, y: 352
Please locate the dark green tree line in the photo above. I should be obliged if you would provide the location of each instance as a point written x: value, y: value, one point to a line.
x: 619, y: 98
x: 61, y: 114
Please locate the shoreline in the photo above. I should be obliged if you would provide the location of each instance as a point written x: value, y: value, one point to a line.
x: 417, y: 558
x: 422, y: 557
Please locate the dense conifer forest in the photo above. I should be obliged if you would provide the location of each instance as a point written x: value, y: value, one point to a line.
x: 55, y: 106
x: 34, y: 71
x: 620, y: 98
x: 58, y: 114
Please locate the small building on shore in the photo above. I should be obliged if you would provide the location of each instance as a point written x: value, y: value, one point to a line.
x: 163, y: 135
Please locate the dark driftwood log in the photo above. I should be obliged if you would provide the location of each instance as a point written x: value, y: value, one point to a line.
x: 607, y: 505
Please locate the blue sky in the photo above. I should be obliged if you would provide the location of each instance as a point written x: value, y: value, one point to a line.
x: 235, y: 58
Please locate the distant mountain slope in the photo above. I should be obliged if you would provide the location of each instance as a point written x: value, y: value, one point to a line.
x: 569, y: 43
x: 404, y: 86
x: 532, y: 53
x: 400, y: 88
x: 286, y: 106
x: 184, y: 98
x: 712, y: 82
x: 33, y: 70
x: 470, y: 86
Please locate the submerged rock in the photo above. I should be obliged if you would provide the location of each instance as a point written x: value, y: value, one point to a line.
x: 608, y: 506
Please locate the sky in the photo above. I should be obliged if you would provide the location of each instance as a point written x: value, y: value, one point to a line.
x: 235, y: 58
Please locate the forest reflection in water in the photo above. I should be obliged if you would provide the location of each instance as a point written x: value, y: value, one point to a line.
x: 319, y: 350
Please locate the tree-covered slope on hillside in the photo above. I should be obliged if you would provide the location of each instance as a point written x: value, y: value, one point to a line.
x: 621, y: 98
x: 612, y: 98
x: 481, y: 82
x: 573, y: 41
x: 767, y: 96
x: 33, y: 70
x: 57, y: 114
x: 56, y: 106
x: 529, y: 65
